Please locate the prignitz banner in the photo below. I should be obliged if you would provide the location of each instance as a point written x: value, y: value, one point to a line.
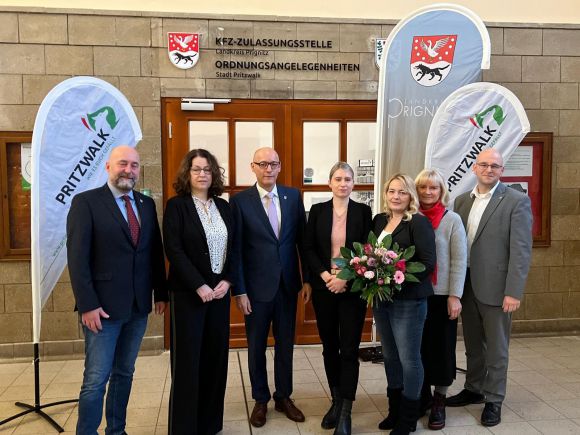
x: 471, y: 119
x: 77, y: 125
x: 427, y: 56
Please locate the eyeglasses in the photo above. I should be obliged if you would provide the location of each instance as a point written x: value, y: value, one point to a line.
x: 197, y: 170
x: 264, y: 165
x: 484, y: 166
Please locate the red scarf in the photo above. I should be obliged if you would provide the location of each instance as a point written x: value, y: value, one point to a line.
x: 434, y: 214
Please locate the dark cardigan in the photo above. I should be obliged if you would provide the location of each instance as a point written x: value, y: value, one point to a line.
x: 418, y: 232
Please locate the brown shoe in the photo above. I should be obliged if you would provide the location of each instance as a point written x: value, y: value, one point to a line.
x: 258, y: 417
x: 287, y: 407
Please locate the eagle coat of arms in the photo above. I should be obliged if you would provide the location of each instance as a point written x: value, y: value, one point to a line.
x: 183, y: 49
x: 432, y: 58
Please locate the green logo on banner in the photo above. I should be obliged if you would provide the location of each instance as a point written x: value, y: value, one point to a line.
x: 498, y: 116
x: 110, y: 117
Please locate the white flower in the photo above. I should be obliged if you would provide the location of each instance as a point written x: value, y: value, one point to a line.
x: 369, y: 274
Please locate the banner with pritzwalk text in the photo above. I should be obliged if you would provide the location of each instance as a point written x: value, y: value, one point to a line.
x: 471, y: 119
x: 77, y: 125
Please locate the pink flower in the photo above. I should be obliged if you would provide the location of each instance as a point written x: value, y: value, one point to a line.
x: 380, y: 281
x: 371, y: 262
x: 356, y: 260
x: 386, y: 259
x: 364, y: 269
x: 401, y: 265
x: 399, y: 277
x: 368, y: 248
x: 359, y: 271
x: 392, y: 254
x: 369, y: 274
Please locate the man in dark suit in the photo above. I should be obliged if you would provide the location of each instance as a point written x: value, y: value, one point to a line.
x: 498, y: 221
x: 269, y: 227
x: 115, y: 260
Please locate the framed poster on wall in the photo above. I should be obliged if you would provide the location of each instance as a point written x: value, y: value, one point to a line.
x: 529, y: 170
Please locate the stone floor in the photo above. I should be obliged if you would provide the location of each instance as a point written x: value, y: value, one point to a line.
x: 543, y: 394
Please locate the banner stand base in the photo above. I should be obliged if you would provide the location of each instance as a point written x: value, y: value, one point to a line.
x: 37, y: 407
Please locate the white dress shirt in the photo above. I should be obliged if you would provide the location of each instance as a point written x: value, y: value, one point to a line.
x: 118, y: 195
x: 266, y: 201
x: 479, y: 205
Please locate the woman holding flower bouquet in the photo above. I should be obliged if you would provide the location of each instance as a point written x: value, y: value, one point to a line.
x: 340, y: 315
x: 443, y: 308
x: 400, y: 321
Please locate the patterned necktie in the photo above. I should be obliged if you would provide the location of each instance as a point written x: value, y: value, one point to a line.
x: 273, y: 213
x: 132, y: 219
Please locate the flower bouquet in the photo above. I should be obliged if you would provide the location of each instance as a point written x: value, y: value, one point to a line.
x: 378, y: 270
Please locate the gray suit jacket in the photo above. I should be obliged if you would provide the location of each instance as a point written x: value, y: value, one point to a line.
x: 502, y: 248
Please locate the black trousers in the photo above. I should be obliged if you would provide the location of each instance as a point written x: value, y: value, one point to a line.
x: 438, y: 344
x: 199, y: 364
x: 340, y: 319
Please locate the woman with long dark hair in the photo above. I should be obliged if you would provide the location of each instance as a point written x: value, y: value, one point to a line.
x: 197, y: 229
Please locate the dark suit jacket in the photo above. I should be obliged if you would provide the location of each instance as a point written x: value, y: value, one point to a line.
x: 106, y: 270
x: 262, y: 260
x: 186, y: 245
x: 502, y: 248
x: 419, y: 232
x: 318, y: 231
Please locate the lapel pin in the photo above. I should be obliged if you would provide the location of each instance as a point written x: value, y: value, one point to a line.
x: 285, y: 197
x: 141, y: 201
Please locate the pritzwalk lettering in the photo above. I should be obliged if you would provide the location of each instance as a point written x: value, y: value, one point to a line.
x: 83, y: 166
x: 486, y: 139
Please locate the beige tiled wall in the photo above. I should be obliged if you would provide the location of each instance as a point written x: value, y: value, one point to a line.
x: 539, y: 63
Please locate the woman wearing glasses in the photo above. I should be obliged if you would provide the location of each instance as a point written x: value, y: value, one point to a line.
x: 400, y: 322
x: 197, y: 229
x: 340, y: 315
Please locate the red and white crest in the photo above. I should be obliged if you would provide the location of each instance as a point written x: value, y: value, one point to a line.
x: 183, y: 49
x: 432, y: 58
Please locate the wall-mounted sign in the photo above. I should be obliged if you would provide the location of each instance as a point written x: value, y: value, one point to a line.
x: 25, y: 152
x: 256, y: 61
x: 379, y: 50
x: 183, y: 49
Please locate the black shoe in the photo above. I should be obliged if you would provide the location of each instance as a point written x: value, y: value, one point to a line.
x: 344, y: 423
x: 394, y: 396
x: 491, y: 415
x: 331, y: 417
x: 437, y: 415
x: 465, y: 397
x: 407, y: 417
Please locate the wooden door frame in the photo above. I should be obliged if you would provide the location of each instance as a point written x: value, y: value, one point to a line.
x: 289, y: 112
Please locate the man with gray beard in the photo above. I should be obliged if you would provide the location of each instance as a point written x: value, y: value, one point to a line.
x: 115, y: 260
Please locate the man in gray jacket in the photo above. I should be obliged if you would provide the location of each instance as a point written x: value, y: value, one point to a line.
x: 498, y: 222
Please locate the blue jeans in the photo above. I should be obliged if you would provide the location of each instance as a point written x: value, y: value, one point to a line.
x: 109, y: 356
x: 400, y: 326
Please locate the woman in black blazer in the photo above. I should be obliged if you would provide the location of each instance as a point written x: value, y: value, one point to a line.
x: 340, y: 314
x: 400, y: 322
x: 197, y: 229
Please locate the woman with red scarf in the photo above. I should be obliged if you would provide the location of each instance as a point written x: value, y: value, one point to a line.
x: 444, y: 306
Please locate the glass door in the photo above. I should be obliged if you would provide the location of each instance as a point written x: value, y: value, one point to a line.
x: 309, y: 136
